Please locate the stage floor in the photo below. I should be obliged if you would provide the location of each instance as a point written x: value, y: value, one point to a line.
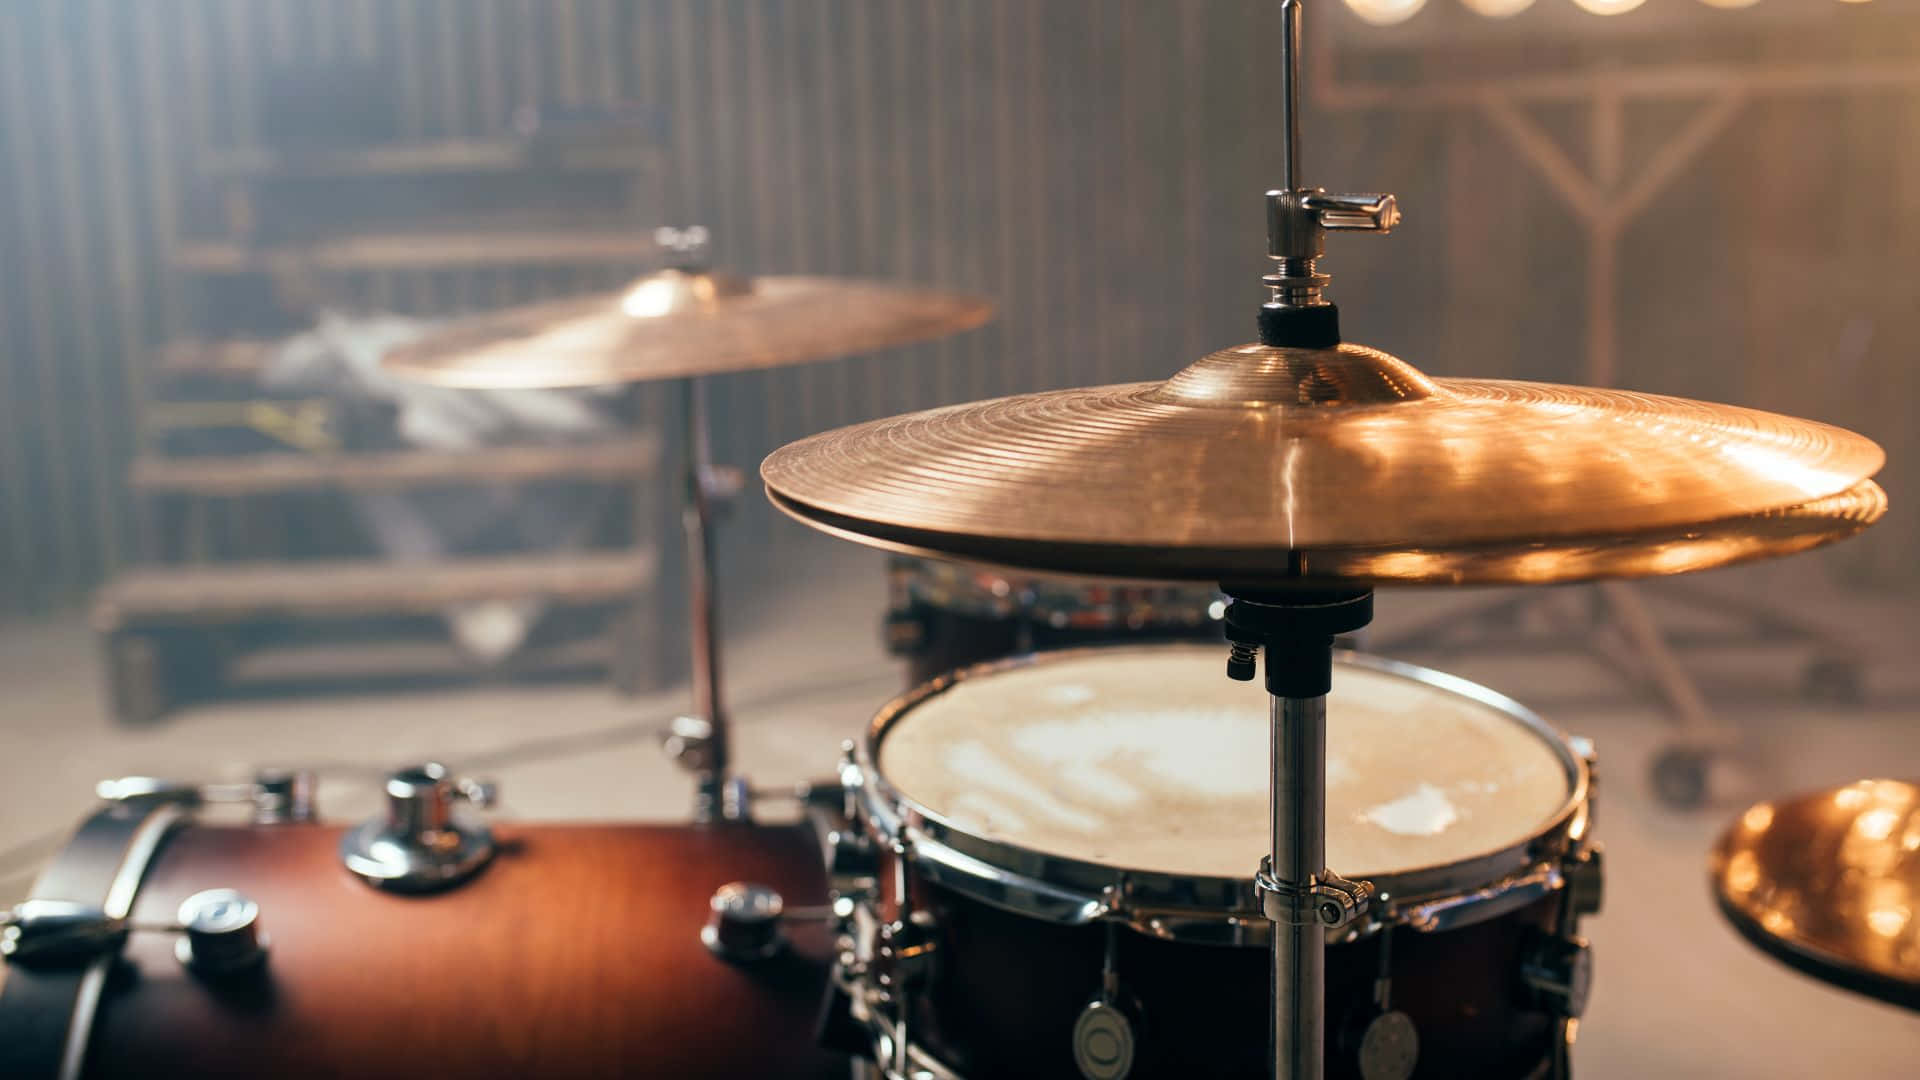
x: 1678, y: 994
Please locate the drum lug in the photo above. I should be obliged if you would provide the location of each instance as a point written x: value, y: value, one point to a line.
x: 1105, y: 1038
x: 278, y: 796
x: 1383, y: 1041
x: 851, y: 862
x: 906, y: 953
x: 1106, y: 1034
x: 1585, y: 882
x: 1557, y: 972
x: 743, y: 923
x: 220, y: 934
x: 1386, y: 1046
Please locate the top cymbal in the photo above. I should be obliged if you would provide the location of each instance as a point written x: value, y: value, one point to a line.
x: 676, y: 323
x: 1261, y: 463
x: 1828, y: 882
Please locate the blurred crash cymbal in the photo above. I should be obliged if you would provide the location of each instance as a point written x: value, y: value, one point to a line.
x: 678, y: 323
x: 1830, y: 884
x: 1265, y: 463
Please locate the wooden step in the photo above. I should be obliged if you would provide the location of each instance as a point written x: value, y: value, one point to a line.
x: 433, y: 156
x: 430, y: 250
x: 241, y: 591
x: 241, y: 357
x: 265, y: 473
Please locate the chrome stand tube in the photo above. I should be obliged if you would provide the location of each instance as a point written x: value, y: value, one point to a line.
x: 696, y: 518
x: 1296, y: 627
x: 1290, y: 94
x: 1297, y: 808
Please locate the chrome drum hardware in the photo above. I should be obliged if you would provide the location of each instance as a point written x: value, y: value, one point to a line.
x: 220, y: 934
x: 422, y: 843
x: 743, y: 923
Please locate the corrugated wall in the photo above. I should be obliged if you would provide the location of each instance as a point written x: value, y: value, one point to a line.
x: 1095, y: 166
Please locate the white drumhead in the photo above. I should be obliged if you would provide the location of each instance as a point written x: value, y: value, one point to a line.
x: 1152, y: 759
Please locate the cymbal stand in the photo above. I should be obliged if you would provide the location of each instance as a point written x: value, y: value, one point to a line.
x: 1296, y: 626
x: 1297, y: 892
x: 699, y: 742
x: 713, y: 795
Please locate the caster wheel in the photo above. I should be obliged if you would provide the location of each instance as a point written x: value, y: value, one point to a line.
x: 1680, y: 777
x: 1834, y: 681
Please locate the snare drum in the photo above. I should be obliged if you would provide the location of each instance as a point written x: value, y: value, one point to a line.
x: 578, y: 952
x: 1074, y: 835
x: 943, y: 616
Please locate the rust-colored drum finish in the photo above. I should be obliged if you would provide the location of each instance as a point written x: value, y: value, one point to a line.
x: 576, y: 953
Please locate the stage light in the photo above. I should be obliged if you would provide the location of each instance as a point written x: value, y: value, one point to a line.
x: 1385, y: 12
x: 1497, y: 9
x: 1609, y: 7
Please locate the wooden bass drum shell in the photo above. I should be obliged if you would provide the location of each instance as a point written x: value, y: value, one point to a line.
x: 575, y: 953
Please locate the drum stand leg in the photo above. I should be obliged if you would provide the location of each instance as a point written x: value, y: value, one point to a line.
x: 705, y: 751
x: 1302, y: 897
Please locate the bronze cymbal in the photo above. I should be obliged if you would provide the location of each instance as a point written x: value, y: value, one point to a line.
x: 1520, y: 562
x: 1830, y: 884
x: 674, y: 323
x: 1261, y: 463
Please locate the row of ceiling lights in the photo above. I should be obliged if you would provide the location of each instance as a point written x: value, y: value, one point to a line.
x: 1388, y: 12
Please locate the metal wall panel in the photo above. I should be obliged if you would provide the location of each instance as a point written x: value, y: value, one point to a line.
x: 1094, y: 166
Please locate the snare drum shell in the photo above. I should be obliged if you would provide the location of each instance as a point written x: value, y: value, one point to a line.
x: 575, y: 953
x: 1008, y: 989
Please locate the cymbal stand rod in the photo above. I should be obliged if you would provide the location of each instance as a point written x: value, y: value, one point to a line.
x: 696, y: 518
x: 1297, y: 808
x: 1304, y: 900
x: 1299, y: 217
x: 1290, y: 93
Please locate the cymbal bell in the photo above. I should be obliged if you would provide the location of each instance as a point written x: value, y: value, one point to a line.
x: 1262, y: 463
x: 1829, y: 883
x: 677, y: 323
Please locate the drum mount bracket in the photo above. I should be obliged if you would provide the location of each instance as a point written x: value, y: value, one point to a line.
x: 1329, y: 900
x: 1296, y: 626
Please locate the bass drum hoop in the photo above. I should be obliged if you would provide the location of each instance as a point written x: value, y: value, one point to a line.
x: 1207, y: 909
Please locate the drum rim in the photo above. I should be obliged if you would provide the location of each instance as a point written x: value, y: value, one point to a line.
x: 1204, y: 907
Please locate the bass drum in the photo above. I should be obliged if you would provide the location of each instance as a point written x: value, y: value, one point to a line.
x: 944, y: 616
x: 577, y: 952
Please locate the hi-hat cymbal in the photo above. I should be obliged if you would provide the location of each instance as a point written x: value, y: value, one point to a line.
x: 674, y: 324
x: 1830, y: 883
x: 1261, y: 463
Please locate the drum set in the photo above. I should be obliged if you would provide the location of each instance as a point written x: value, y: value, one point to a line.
x: 1070, y: 848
